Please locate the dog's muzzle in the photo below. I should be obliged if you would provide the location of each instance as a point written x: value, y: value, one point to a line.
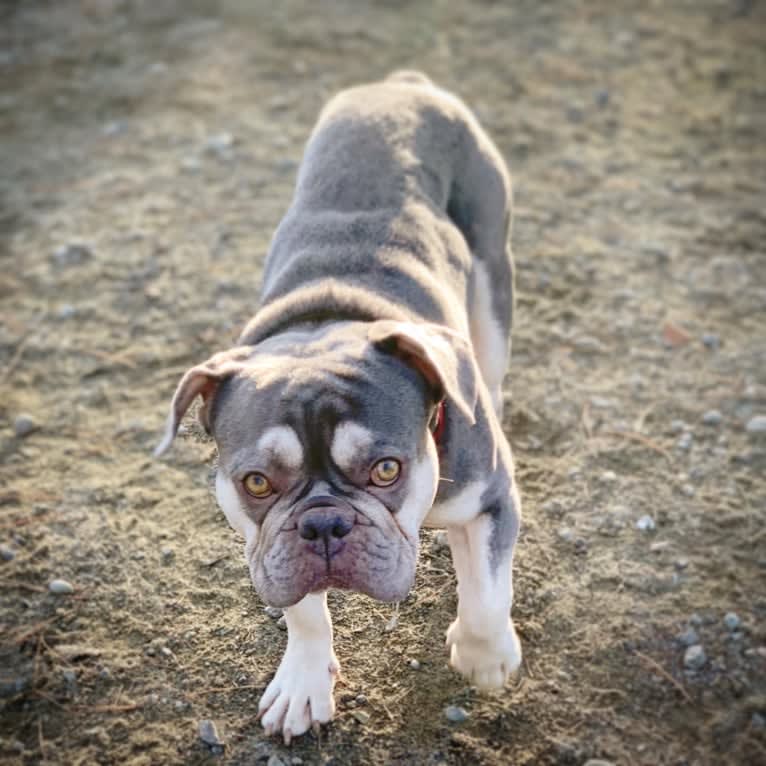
x: 323, y: 521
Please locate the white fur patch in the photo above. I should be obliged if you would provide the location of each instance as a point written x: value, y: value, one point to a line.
x: 300, y: 695
x: 489, y: 341
x: 421, y: 490
x: 459, y: 509
x: 228, y: 499
x: 348, y: 441
x: 283, y: 443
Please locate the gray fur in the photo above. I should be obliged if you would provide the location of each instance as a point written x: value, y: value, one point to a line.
x: 399, y: 195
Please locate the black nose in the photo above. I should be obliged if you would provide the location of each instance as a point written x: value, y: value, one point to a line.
x: 325, y: 523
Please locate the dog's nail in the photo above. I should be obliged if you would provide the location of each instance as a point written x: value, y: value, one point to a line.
x: 316, y: 728
x: 287, y: 735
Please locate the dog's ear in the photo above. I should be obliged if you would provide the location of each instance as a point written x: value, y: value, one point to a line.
x: 442, y: 356
x: 202, y: 380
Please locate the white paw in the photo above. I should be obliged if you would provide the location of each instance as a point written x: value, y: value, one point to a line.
x: 300, y: 695
x: 486, y: 661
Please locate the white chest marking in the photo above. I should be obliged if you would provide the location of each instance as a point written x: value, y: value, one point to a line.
x: 459, y: 509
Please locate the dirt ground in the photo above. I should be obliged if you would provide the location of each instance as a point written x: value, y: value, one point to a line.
x: 148, y: 152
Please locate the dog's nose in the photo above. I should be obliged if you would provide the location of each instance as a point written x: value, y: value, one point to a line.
x: 325, y: 523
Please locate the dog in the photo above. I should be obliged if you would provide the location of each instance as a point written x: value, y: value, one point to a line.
x: 363, y: 400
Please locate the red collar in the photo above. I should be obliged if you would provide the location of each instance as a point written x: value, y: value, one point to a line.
x: 439, y: 423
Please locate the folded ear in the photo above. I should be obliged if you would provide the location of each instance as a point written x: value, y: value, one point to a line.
x: 202, y: 380
x: 442, y: 356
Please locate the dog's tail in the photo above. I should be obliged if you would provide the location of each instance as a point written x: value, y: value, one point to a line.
x: 409, y: 76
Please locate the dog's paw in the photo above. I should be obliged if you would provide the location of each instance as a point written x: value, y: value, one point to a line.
x: 300, y: 696
x: 486, y: 661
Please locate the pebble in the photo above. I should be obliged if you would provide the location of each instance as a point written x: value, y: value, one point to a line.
x: 677, y: 426
x: 646, y: 523
x: 689, y: 637
x: 208, y: 733
x: 731, y: 620
x: 23, y: 425
x: 415, y: 664
x: 756, y: 425
x: 7, y: 553
x: 597, y: 762
x: 696, y: 619
x: 608, y: 477
x: 67, y: 311
x: 361, y: 715
x: 282, y: 623
x: 694, y: 657
x: 681, y: 564
x: 168, y: 554
x: 440, y: 540
x: 273, y: 611
x: 60, y: 587
x: 455, y: 714
x: 565, y: 534
x: 687, y: 490
x: 276, y: 760
x: 73, y: 254
x: 757, y: 721
x: 711, y: 340
x: 712, y: 418
x: 685, y: 441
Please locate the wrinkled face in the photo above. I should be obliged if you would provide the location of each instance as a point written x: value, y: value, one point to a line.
x: 327, y: 467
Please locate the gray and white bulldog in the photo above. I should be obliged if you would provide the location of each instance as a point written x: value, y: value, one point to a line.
x: 363, y: 400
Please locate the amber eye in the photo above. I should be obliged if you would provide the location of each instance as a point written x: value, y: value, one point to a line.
x: 257, y: 485
x: 385, y: 472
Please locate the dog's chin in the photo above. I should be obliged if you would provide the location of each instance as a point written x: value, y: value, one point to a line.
x: 284, y: 576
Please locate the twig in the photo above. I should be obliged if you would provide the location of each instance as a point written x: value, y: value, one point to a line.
x: 16, y: 358
x: 40, y: 739
x: 641, y: 439
x: 23, y: 586
x: 657, y: 668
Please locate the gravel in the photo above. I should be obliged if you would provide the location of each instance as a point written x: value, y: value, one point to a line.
x: 6, y: 553
x: 60, y: 587
x: 756, y: 425
x: 415, y: 664
x: 24, y: 424
x: 455, y: 714
x: 712, y: 418
x: 598, y: 762
x: 208, y: 733
x: 646, y: 523
x: 695, y: 657
x: 689, y: 637
x: 731, y: 620
x: 273, y: 611
x: 72, y: 254
x: 685, y: 441
x: 711, y: 340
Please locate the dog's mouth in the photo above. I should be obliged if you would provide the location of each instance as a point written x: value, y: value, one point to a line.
x: 335, y: 546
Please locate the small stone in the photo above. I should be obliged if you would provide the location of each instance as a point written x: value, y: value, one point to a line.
x: 276, y: 760
x: 67, y: 311
x: 581, y: 546
x: 681, y: 564
x: 23, y: 425
x: 361, y: 699
x: 7, y: 553
x: 168, y: 554
x: 756, y: 426
x: 677, y: 426
x: 646, y: 523
x: 695, y: 657
x: 70, y: 676
x: 73, y: 254
x: 565, y: 534
x: 687, y: 490
x: 361, y: 715
x: 711, y: 340
x: 415, y: 664
x: 685, y: 441
x: 296, y: 760
x: 601, y: 402
x: 455, y: 714
x: 608, y: 477
x: 220, y: 144
x: 731, y: 620
x: 689, y: 637
x: 597, y: 762
x: 757, y: 721
x: 440, y: 540
x: 208, y: 733
x: 282, y: 623
x: 60, y: 587
x: 712, y: 418
x: 696, y: 620
x: 273, y: 611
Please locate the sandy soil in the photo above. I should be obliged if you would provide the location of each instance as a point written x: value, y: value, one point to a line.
x: 164, y: 137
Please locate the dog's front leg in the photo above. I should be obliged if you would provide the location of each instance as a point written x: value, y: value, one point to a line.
x: 482, y: 640
x: 300, y: 695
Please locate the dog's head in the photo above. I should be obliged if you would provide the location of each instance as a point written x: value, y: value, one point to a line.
x: 327, y: 464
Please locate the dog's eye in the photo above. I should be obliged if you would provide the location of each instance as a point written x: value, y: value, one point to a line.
x: 385, y: 472
x: 257, y: 485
